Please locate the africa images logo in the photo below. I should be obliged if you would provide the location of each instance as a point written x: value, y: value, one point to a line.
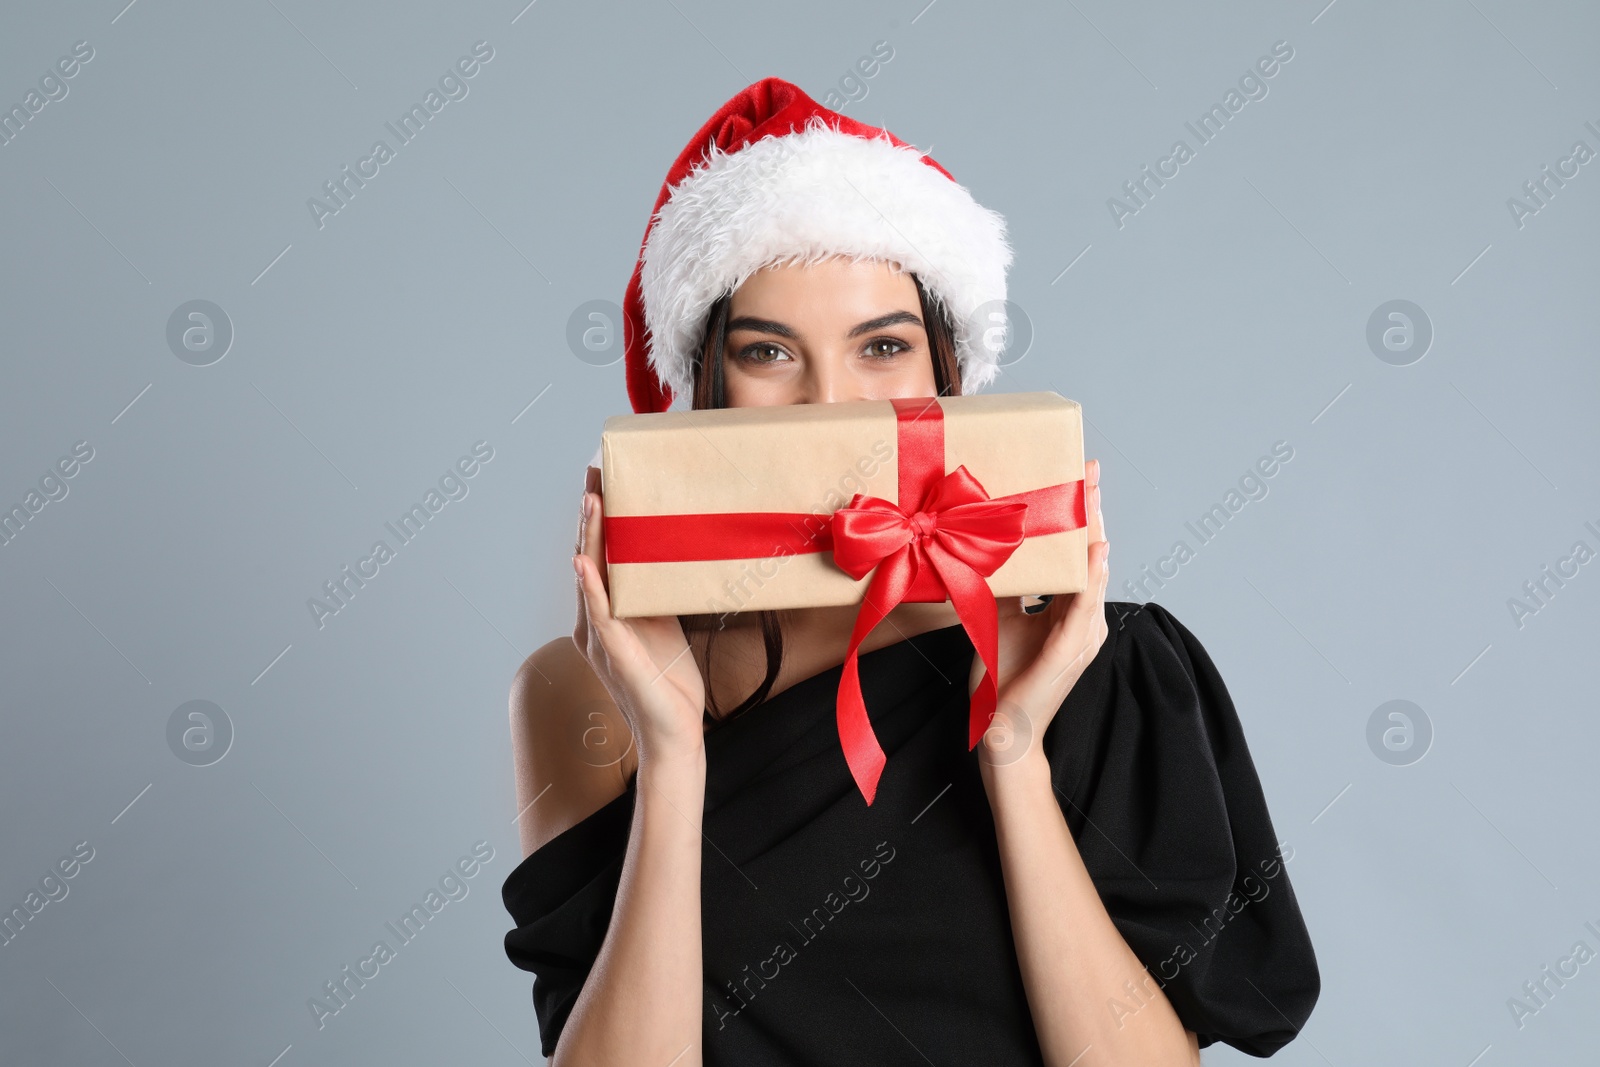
x: 453, y: 886
x: 1140, y: 191
x: 453, y: 86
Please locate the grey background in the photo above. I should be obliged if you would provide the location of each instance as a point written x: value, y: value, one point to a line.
x: 370, y: 354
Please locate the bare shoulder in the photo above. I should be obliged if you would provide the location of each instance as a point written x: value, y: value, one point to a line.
x: 570, y: 744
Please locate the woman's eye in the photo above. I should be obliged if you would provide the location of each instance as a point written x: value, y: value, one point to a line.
x: 885, y: 348
x: 755, y: 353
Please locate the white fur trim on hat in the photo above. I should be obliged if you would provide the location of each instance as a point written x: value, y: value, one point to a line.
x: 803, y: 197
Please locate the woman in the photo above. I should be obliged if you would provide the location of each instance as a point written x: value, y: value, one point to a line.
x: 1098, y: 883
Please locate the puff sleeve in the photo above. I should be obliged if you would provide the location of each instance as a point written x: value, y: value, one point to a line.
x: 1160, y: 792
x: 561, y: 897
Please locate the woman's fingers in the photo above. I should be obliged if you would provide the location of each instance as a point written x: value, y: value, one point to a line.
x: 1097, y: 532
x: 580, y: 628
x: 1100, y: 553
x: 600, y: 626
x: 595, y: 537
x: 1098, y: 628
x: 1091, y: 601
x: 617, y: 639
x: 584, y: 545
x: 1076, y: 633
x: 1097, y: 526
x: 1078, y: 620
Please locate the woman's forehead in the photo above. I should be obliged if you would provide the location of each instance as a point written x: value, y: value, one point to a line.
x: 837, y: 285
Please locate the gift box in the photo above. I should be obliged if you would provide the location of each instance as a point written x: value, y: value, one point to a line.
x: 731, y: 509
x: 875, y: 502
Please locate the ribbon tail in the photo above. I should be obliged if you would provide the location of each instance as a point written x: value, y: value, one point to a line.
x: 861, y: 749
x: 980, y: 617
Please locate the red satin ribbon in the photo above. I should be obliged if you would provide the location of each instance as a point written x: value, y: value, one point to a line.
x: 944, y: 538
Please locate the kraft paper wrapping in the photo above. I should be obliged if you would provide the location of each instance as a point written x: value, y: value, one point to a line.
x: 813, y: 458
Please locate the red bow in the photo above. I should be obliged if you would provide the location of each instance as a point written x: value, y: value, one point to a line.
x: 943, y: 550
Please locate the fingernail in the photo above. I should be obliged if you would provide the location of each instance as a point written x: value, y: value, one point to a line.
x: 577, y: 566
x: 588, y: 505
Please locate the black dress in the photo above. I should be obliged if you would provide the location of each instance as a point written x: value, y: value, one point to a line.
x: 834, y: 932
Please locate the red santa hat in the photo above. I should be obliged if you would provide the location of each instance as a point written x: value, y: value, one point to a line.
x: 775, y: 177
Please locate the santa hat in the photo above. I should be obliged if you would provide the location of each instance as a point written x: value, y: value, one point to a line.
x: 776, y: 177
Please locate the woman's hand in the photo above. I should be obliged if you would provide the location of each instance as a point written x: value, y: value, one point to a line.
x: 643, y: 662
x: 1042, y: 656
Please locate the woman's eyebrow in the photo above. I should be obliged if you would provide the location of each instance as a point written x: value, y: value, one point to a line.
x: 894, y: 318
x: 750, y: 322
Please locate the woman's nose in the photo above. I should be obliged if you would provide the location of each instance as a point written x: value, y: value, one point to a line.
x: 829, y: 384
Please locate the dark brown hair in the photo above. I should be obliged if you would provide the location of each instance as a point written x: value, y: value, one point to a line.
x: 710, y: 392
